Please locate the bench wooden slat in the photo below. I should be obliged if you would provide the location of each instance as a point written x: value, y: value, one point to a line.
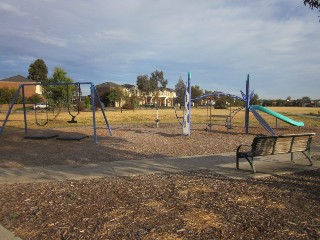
x: 262, y: 146
x: 300, y: 144
x: 272, y: 145
x: 282, y: 145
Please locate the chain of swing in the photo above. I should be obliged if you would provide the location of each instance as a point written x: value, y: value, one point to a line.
x: 73, y: 103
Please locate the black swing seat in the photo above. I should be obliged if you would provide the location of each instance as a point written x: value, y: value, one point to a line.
x: 72, y: 120
x: 77, y: 137
x: 41, y: 136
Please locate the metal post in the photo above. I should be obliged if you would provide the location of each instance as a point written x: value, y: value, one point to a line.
x: 186, y: 127
x: 10, y: 109
x: 102, y: 110
x: 24, y: 111
x: 189, y: 104
x: 157, y: 118
x: 247, y: 105
x: 93, y: 115
x: 210, y: 115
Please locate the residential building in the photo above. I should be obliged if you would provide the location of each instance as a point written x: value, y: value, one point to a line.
x: 164, y: 98
x: 16, y: 81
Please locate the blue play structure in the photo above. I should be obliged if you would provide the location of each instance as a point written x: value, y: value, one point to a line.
x: 94, y: 94
x: 246, y: 97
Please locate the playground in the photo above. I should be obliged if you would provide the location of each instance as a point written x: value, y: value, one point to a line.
x: 135, y: 136
x: 194, y: 204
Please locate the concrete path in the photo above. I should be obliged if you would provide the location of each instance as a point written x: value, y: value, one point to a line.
x: 223, y: 164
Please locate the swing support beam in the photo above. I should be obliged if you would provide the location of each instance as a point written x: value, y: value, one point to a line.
x: 94, y: 94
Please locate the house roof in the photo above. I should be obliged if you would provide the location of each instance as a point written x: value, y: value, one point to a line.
x: 108, y: 84
x: 17, y: 78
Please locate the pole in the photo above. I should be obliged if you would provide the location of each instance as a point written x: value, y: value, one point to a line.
x: 10, y: 108
x: 186, y: 127
x: 247, y: 105
x: 157, y: 118
x: 24, y: 111
x: 93, y: 115
x: 102, y: 110
x: 210, y: 115
x: 189, y: 105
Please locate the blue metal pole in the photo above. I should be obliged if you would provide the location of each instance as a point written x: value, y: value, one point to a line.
x: 93, y: 115
x: 102, y: 110
x: 247, y: 105
x: 24, y: 111
x: 10, y: 108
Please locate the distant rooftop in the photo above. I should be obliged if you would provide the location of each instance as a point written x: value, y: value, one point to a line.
x: 108, y: 84
x: 17, y: 78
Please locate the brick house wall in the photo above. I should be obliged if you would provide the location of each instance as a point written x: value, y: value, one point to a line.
x: 15, y: 81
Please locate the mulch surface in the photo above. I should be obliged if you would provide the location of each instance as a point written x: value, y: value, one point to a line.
x: 189, y: 205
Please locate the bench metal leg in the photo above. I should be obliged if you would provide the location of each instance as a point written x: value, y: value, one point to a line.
x: 251, y: 164
x: 309, y: 157
x: 237, y: 162
x: 292, y: 157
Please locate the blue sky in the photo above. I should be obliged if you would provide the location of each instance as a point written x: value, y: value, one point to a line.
x: 220, y: 42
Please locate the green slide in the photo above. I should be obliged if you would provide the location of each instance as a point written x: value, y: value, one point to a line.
x: 277, y: 115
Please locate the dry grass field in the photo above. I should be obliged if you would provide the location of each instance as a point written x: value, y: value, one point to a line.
x: 310, y: 116
x: 189, y: 205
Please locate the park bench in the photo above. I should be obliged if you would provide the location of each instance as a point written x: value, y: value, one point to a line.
x: 272, y: 145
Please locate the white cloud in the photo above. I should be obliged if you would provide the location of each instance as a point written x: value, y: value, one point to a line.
x: 6, y: 7
x: 115, y: 34
x: 38, y: 36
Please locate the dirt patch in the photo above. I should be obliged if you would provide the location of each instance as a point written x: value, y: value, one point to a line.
x: 191, y: 205
x: 129, y: 142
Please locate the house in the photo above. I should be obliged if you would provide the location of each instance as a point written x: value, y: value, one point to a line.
x: 104, y: 90
x: 164, y: 98
x: 15, y: 81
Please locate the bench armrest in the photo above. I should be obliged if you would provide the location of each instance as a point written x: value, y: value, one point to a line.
x: 240, y: 146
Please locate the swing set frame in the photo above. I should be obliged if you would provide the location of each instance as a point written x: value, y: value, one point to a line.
x: 93, y: 92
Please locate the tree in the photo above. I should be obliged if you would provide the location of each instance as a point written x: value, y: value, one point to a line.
x: 38, y: 71
x: 312, y: 3
x: 129, y: 86
x: 7, y: 95
x: 59, y: 76
x: 57, y: 95
x: 131, y: 101
x: 143, y: 83
x: 306, y: 98
x: 35, y: 98
x: 196, y: 92
x: 157, y: 81
x: 115, y: 94
x: 180, y: 89
x: 221, y: 102
x: 87, y: 102
x: 254, y: 100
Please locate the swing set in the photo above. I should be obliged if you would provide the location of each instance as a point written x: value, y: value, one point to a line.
x: 73, y: 103
x: 70, y: 104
